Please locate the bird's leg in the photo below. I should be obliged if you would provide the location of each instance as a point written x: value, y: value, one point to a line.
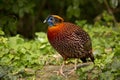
x: 61, y: 69
x: 75, y: 67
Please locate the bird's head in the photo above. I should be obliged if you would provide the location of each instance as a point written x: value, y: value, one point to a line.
x: 53, y: 20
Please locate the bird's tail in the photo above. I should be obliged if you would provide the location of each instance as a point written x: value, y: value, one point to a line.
x: 91, y: 56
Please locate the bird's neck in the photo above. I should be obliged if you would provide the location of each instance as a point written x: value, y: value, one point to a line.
x: 54, y: 31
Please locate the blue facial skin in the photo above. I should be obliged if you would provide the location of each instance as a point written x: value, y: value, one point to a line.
x: 50, y: 21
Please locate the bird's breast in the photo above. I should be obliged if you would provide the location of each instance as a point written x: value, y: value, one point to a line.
x: 54, y: 31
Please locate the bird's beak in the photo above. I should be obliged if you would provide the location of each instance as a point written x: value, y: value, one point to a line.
x: 44, y: 21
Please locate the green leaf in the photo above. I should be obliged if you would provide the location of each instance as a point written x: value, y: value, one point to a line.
x: 1, y: 32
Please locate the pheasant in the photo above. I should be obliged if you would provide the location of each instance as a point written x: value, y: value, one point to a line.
x: 68, y: 39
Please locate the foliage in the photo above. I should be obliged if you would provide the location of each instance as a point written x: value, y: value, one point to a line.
x: 21, y: 58
x: 18, y: 54
x: 106, y: 47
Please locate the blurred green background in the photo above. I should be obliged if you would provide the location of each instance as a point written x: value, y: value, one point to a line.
x: 24, y: 45
x: 26, y: 17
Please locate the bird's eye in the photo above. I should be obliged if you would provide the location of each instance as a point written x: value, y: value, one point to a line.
x: 51, y: 18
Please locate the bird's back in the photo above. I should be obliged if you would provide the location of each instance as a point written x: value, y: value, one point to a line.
x: 70, y: 41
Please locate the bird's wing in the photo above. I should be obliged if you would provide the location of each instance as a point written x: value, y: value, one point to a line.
x: 83, y: 38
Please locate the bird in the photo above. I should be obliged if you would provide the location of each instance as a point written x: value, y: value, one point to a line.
x: 69, y: 40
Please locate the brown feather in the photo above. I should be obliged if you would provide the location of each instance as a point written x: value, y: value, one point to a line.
x: 70, y: 41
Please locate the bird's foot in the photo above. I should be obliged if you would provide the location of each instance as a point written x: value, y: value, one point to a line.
x: 60, y: 72
x: 71, y: 71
